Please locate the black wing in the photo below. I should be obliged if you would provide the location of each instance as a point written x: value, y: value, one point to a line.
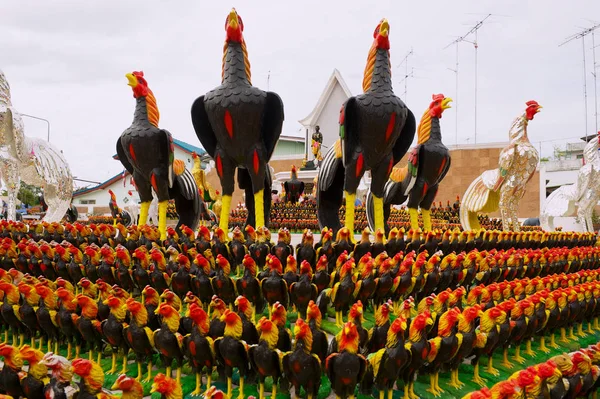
x: 348, y: 133
x: 202, y: 126
x: 123, y: 157
x: 406, y: 137
x: 272, y: 122
x: 301, y: 187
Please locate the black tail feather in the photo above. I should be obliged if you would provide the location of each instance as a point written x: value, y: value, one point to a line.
x: 330, y: 192
x: 187, y: 200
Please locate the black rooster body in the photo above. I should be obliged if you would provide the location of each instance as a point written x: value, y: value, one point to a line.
x: 376, y: 130
x: 147, y: 153
x: 239, y: 125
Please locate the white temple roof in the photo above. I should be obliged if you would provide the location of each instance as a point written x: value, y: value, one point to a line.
x: 335, y: 78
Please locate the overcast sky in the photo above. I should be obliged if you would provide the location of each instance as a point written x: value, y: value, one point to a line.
x: 66, y: 61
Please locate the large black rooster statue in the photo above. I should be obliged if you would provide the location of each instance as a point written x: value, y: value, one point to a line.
x: 239, y: 125
x: 146, y: 151
x: 376, y: 130
x: 293, y: 187
x: 428, y: 163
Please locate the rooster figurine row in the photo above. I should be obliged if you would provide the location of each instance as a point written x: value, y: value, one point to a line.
x: 131, y: 293
x: 569, y: 375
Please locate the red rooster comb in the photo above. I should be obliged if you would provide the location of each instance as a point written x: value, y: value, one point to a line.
x: 532, y: 108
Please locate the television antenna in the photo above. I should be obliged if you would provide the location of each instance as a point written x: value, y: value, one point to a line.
x: 581, y: 35
x: 406, y: 74
x: 475, y: 44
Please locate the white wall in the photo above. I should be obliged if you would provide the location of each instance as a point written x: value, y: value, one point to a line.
x: 102, y: 197
x: 329, y: 119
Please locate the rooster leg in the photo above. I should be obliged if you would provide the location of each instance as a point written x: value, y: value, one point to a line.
x: 99, y: 357
x: 274, y: 391
x: 553, y: 343
x: 571, y: 334
x: 413, y: 395
x: 114, y: 364
x: 563, y: 336
x: 33, y: 341
x: 437, y: 383
x: 124, y: 369
x: 517, y: 357
x: 259, y: 208
x: 528, y: 350
x: 543, y: 347
x: 580, y: 330
x: 56, y: 346
x: 241, y: 394
x: 91, y: 355
x: 381, y: 395
x: 162, y: 219
x: 196, y: 391
x: 69, y: 350
x: 229, y: 387
x: 21, y: 340
x: 596, y: 325
x: 390, y: 393
x: 42, y: 343
x: 139, y: 376
x: 169, y: 372
x: 349, y: 219
x: 378, y: 210
x: 144, y: 207
x: 149, y: 376
x: 77, y: 351
x: 476, y: 378
x: 406, y: 393
x: 6, y: 336
x: 431, y: 388
x: 490, y: 367
x: 414, y: 218
x: 178, y: 374
x: 208, y: 379
x: 426, y: 214
x: 590, y: 330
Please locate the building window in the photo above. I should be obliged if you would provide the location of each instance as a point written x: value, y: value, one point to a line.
x: 88, y: 202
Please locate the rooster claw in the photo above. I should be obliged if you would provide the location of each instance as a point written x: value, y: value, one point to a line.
x: 492, y: 371
x: 479, y: 381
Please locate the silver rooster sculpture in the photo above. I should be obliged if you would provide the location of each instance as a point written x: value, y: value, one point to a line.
x: 502, y: 188
x: 577, y: 199
x: 33, y: 161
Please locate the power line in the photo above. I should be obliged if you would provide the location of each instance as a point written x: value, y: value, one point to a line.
x: 406, y: 74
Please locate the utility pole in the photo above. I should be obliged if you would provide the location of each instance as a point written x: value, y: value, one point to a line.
x: 594, y: 74
x: 461, y: 39
x: 406, y: 74
x: 581, y: 35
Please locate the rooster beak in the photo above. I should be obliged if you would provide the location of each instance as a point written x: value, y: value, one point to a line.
x: 114, y: 387
x: 446, y: 103
x: 384, y: 28
x: 153, y: 389
x: 131, y: 80
x: 233, y: 19
x: 539, y: 108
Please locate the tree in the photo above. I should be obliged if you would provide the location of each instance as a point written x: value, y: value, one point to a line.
x: 29, y: 195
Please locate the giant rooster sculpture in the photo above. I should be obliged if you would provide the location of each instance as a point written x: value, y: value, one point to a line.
x: 504, y: 187
x: 146, y: 151
x: 32, y: 161
x: 376, y: 130
x: 428, y: 164
x: 239, y: 125
x: 579, y: 198
x: 294, y: 187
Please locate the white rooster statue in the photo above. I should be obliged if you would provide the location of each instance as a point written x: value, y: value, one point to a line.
x: 32, y: 161
x: 505, y: 186
x: 577, y: 199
